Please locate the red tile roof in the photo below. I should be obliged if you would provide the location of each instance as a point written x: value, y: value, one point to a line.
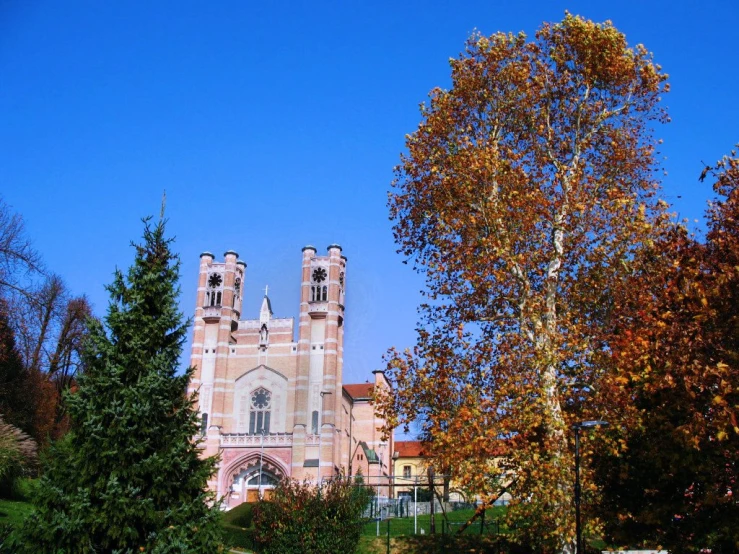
x: 410, y: 449
x: 361, y: 390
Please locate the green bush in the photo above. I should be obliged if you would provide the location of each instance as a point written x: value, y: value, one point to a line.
x: 304, y: 519
x: 238, y: 527
x: 239, y: 537
x: 241, y: 516
x: 18, y: 453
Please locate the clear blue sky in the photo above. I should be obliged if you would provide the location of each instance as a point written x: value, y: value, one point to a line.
x: 276, y: 124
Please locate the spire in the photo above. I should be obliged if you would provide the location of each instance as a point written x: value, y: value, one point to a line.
x: 266, y: 312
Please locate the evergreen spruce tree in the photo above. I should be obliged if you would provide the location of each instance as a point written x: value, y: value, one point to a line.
x: 128, y: 477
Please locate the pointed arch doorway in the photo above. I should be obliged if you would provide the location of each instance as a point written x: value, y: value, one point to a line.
x: 250, y: 480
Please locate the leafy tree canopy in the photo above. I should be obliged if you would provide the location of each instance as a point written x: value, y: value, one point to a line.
x: 523, y: 194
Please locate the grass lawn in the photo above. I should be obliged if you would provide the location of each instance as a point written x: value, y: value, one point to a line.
x: 428, y: 544
x: 14, y: 511
x: 405, y: 525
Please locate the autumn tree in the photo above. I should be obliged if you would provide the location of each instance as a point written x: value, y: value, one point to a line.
x: 676, y: 359
x: 14, y: 383
x: 527, y: 187
x: 48, y: 328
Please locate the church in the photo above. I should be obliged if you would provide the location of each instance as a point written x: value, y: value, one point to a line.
x: 271, y: 398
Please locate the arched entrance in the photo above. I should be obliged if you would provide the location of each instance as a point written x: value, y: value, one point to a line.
x: 250, y: 480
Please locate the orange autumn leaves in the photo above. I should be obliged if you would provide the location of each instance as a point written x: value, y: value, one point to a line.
x: 524, y: 193
x: 678, y: 323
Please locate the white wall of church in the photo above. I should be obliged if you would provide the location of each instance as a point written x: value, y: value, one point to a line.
x: 272, y: 381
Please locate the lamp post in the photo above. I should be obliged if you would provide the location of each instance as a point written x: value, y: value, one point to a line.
x: 261, y: 462
x: 577, y: 427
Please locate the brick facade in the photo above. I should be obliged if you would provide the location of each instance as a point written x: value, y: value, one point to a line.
x: 265, y: 396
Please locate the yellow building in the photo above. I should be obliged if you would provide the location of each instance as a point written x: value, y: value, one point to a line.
x: 410, y: 466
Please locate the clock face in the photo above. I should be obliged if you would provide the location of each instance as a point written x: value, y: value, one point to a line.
x: 260, y: 399
x: 319, y: 275
x: 215, y: 280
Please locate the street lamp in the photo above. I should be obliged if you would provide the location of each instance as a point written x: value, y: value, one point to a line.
x: 261, y: 461
x: 576, y: 427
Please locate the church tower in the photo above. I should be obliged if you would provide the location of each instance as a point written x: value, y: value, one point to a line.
x: 316, y: 435
x: 216, y: 316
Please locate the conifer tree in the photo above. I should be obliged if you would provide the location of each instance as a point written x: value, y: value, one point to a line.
x: 128, y: 477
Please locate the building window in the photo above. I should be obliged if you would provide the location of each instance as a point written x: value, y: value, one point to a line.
x: 204, y: 424
x: 325, y: 293
x: 261, y: 400
x: 406, y: 472
x: 314, y: 421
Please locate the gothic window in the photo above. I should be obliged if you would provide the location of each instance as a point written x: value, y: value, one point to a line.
x: 267, y: 479
x: 215, y: 280
x: 318, y: 293
x: 218, y: 299
x: 314, y: 423
x: 204, y: 424
x: 341, y: 279
x: 319, y: 275
x: 261, y: 405
x: 237, y: 285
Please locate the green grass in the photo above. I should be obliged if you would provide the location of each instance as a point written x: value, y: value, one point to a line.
x: 405, y: 525
x: 429, y: 544
x: 14, y: 511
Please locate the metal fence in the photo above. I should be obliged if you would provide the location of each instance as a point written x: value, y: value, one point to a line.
x: 395, y: 509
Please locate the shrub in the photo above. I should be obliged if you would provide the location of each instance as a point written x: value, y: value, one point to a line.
x: 241, y: 516
x: 239, y: 537
x: 17, y: 455
x: 238, y: 527
x: 304, y: 519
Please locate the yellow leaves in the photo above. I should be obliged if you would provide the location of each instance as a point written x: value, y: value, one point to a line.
x: 721, y: 435
x: 718, y: 400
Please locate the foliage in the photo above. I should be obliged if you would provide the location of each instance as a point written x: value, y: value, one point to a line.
x: 524, y: 192
x: 14, y: 381
x: 238, y: 526
x: 17, y: 456
x: 304, y: 519
x: 240, y: 516
x: 128, y: 477
x: 44, y: 327
x: 51, y: 328
x: 677, y: 364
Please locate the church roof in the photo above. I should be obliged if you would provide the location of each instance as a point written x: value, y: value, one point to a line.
x: 360, y: 391
x: 268, y: 302
x: 410, y: 449
x: 369, y: 453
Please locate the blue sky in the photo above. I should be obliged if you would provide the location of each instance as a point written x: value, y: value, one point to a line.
x: 274, y: 125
